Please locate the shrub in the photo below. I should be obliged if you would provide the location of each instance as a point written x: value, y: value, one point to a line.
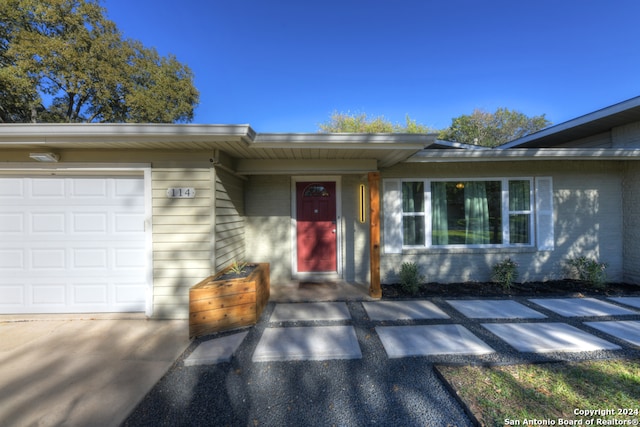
x: 410, y: 277
x: 505, y: 273
x: 588, y: 270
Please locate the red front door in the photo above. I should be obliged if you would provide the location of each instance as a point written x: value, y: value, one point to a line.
x: 316, y: 226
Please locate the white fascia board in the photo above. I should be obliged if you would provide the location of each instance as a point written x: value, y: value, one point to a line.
x: 93, y: 132
x: 344, y: 140
x: 524, y: 154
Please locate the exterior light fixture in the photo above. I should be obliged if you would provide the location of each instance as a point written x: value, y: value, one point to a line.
x: 460, y: 185
x: 362, y: 216
x: 45, y: 157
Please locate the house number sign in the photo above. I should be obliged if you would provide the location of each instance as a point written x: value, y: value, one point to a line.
x: 181, y: 193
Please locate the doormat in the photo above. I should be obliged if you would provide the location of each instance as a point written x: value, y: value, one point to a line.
x: 318, y: 285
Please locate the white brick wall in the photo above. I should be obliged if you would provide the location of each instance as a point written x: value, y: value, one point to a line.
x: 631, y: 222
x: 588, y: 209
x: 626, y: 136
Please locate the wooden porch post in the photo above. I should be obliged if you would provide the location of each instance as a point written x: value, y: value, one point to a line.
x: 374, y: 234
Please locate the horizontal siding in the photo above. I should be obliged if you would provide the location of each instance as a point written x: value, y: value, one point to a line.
x: 182, y: 243
x: 269, y: 223
x: 230, y: 221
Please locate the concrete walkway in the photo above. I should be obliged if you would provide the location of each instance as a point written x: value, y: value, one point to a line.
x: 528, y: 326
x: 91, y: 371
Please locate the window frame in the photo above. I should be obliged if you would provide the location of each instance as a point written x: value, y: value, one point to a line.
x: 505, y: 212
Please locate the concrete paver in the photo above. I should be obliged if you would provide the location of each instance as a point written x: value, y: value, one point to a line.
x: 307, y: 343
x: 216, y: 350
x: 581, y: 307
x: 425, y: 340
x: 631, y: 301
x: 548, y: 337
x: 627, y: 330
x: 310, y: 312
x: 403, y: 310
x: 495, y: 309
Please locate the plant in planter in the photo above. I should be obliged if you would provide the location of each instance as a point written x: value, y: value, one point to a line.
x: 232, y: 298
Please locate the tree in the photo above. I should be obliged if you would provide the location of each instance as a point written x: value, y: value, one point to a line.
x: 492, y: 129
x: 361, y: 123
x: 68, y: 53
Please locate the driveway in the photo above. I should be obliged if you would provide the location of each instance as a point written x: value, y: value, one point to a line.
x: 62, y: 371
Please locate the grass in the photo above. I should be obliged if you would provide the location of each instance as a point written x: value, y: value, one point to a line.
x: 519, y: 394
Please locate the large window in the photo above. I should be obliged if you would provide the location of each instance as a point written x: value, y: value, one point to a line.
x: 470, y: 213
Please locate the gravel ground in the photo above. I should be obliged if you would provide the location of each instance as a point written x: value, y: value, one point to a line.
x: 374, y: 390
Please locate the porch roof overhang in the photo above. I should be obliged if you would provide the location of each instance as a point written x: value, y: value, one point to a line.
x: 524, y: 154
x: 262, y: 152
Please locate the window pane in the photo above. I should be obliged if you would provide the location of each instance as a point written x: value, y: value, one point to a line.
x: 466, y: 212
x: 413, y: 197
x: 519, y: 196
x: 315, y: 190
x: 519, y: 228
x: 413, y: 230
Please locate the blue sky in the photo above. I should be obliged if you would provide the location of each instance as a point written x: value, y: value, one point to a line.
x: 285, y: 66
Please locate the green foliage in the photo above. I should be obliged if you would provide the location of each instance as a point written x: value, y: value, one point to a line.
x: 505, y: 273
x: 237, y: 267
x: 69, y: 53
x: 492, y: 129
x: 588, y: 270
x: 410, y: 277
x: 361, y: 123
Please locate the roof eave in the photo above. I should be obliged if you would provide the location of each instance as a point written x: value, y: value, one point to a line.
x: 604, y: 115
x: 524, y: 154
x: 395, y: 141
x: 99, y: 132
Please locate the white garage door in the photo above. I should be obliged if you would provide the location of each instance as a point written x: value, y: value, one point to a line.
x: 72, y: 244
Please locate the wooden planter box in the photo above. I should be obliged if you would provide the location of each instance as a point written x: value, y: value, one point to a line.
x: 218, y: 305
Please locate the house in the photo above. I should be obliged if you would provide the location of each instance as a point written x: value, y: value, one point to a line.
x: 127, y: 217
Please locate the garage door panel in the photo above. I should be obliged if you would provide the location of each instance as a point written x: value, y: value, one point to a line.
x: 48, y: 188
x: 89, y: 222
x: 12, y: 294
x: 48, y: 222
x: 88, y: 187
x: 72, y: 245
x: 50, y: 258
x: 129, y: 293
x: 126, y: 223
x: 91, y: 293
x: 91, y: 258
x: 11, y: 224
x: 130, y: 258
x: 131, y: 189
x: 12, y: 259
x: 11, y: 189
x: 49, y: 293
